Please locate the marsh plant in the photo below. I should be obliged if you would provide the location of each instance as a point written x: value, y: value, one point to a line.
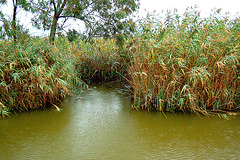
x: 186, y: 63
x: 35, y: 75
x: 173, y: 63
x: 100, y: 61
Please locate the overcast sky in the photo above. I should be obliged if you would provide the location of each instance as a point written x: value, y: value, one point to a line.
x: 232, y: 6
x: 204, y: 6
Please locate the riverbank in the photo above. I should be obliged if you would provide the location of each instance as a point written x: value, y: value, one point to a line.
x: 186, y: 64
x: 35, y: 74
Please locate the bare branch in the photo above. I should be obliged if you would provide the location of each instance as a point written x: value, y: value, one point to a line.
x: 54, y: 5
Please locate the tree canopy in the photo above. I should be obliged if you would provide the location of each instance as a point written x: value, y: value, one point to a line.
x: 101, y: 17
x: 11, y: 26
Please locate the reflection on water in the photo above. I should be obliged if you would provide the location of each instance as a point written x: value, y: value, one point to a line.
x: 99, y: 124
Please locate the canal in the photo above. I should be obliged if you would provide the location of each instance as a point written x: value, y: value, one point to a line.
x: 99, y: 123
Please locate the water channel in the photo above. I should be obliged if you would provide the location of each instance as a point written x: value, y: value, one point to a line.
x: 100, y: 124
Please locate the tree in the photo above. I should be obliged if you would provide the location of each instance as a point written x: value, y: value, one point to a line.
x: 2, y: 2
x: 101, y: 17
x: 11, y: 26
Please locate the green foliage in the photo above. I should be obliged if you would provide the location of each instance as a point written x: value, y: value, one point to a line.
x: 174, y: 63
x: 36, y: 75
x: 10, y: 26
x: 102, y: 18
x: 2, y: 2
x: 186, y: 63
x: 72, y: 35
x: 8, y: 31
x: 100, y: 61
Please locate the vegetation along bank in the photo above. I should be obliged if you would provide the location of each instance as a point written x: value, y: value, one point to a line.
x: 173, y: 63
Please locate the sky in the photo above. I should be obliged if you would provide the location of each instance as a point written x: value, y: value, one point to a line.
x: 205, y: 6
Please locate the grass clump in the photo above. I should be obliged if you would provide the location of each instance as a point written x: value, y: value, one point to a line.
x: 186, y: 63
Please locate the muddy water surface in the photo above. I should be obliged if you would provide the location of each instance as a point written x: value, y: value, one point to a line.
x: 99, y: 124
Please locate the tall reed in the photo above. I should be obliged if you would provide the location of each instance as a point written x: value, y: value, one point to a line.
x: 99, y: 61
x: 35, y: 74
x: 174, y: 63
x: 186, y: 63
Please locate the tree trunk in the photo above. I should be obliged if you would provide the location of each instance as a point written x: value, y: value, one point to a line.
x: 53, y: 29
x: 57, y: 11
x: 14, y: 27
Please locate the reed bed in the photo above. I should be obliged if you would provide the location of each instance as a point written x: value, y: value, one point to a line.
x: 37, y: 75
x: 99, y: 61
x: 186, y: 63
x: 173, y: 63
x: 34, y: 75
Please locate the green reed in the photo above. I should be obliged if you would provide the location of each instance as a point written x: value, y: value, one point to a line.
x: 174, y: 63
x: 36, y: 75
x: 186, y: 63
x: 100, y: 61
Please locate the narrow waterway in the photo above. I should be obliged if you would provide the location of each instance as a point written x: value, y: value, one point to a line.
x: 100, y: 124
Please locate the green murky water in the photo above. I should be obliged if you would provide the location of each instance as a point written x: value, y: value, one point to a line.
x: 99, y: 124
